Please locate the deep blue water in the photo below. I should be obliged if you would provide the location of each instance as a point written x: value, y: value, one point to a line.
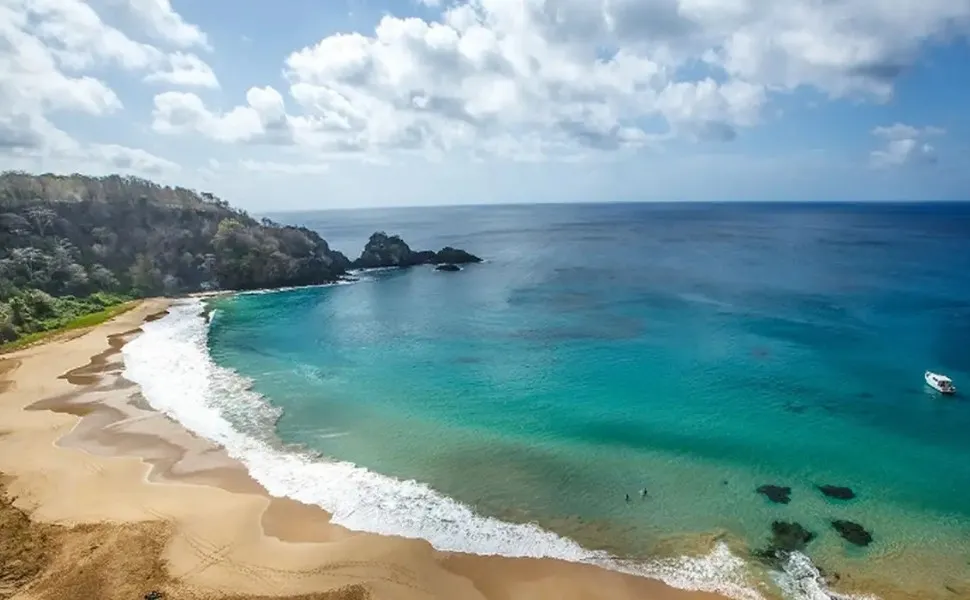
x: 695, y: 350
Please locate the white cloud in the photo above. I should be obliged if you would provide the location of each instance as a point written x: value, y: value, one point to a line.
x: 78, y: 38
x: 557, y: 78
x: 904, y: 144
x: 32, y: 80
x: 280, y: 168
x: 710, y: 110
x: 34, y: 85
x: 263, y: 119
x: 470, y: 82
x: 126, y: 159
x: 840, y: 47
x: 898, y: 131
x: 527, y: 80
x: 37, y: 154
x: 52, y: 55
x: 185, y: 70
x: 161, y: 22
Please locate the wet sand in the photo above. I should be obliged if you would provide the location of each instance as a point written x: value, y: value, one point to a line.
x: 108, y: 499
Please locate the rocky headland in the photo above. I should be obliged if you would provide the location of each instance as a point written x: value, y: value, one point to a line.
x: 74, y: 245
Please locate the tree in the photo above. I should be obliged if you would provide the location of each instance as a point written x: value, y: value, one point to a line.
x: 8, y: 332
x: 42, y: 218
x: 102, y: 278
x: 31, y: 306
x: 170, y: 285
x: 32, y: 262
x: 78, y: 235
x: 146, y: 279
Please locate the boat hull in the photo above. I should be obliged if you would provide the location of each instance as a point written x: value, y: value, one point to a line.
x: 933, y: 383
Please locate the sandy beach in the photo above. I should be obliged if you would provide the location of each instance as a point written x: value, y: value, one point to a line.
x: 106, y: 498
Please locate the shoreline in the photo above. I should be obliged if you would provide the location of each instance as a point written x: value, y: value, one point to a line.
x: 80, y: 449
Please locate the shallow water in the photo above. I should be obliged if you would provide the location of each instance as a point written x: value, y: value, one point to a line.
x: 697, y: 351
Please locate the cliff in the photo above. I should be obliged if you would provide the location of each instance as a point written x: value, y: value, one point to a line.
x: 108, y: 239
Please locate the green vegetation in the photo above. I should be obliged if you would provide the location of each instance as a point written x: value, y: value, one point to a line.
x: 57, y: 326
x: 74, y: 245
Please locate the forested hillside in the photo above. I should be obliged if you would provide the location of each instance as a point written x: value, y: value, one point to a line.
x: 75, y: 244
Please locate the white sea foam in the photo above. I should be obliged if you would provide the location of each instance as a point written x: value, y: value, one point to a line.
x: 171, y: 363
x: 356, y: 277
x: 801, y: 579
x: 330, y: 436
x: 720, y: 571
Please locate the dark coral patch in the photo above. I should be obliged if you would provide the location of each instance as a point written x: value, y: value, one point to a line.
x: 790, y: 536
x: 776, y: 493
x: 853, y: 532
x: 785, y: 538
x: 837, y: 491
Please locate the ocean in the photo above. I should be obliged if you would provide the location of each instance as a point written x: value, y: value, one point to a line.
x: 694, y: 351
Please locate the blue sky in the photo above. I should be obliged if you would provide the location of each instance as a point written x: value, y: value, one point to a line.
x: 300, y: 104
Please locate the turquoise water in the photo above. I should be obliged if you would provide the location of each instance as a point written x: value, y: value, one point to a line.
x: 697, y: 351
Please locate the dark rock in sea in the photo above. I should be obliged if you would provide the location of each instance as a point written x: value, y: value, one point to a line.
x: 776, y: 493
x: 853, y: 532
x: 447, y: 267
x: 454, y: 256
x: 836, y: 491
x: 785, y: 539
x: 384, y: 250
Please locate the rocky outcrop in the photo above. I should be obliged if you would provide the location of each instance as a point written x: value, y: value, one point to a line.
x: 447, y: 267
x: 384, y: 250
x: 453, y: 256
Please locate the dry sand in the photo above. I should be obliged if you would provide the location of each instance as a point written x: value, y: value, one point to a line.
x: 107, y: 499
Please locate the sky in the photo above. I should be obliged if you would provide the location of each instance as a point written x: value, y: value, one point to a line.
x: 316, y: 104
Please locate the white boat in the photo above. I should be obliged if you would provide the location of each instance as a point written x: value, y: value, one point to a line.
x: 940, y: 383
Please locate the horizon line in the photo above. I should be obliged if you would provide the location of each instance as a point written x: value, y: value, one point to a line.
x: 616, y: 202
